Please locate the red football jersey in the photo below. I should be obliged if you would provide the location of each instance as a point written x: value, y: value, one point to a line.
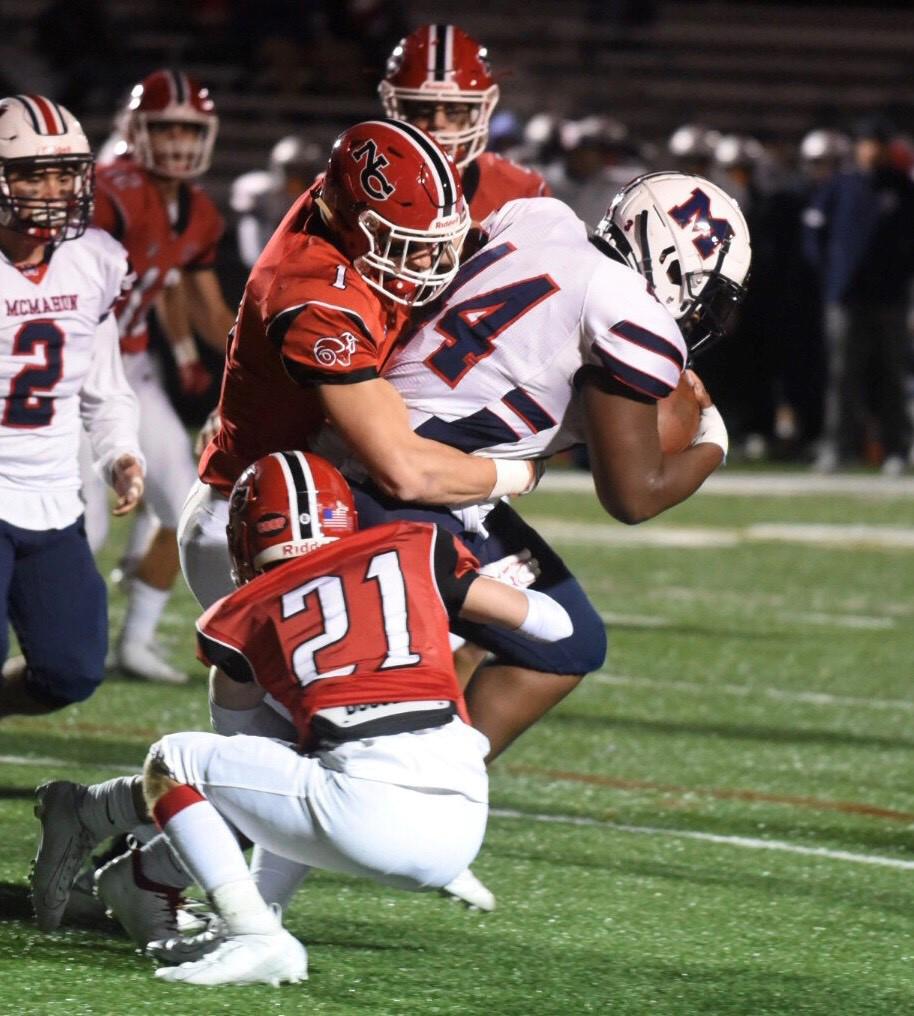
x: 360, y: 622
x: 306, y: 318
x: 129, y: 206
x: 491, y: 181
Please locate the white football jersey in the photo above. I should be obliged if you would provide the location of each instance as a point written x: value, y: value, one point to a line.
x: 51, y: 348
x: 493, y: 371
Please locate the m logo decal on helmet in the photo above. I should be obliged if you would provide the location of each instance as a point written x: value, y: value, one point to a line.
x: 374, y: 182
x: 697, y: 211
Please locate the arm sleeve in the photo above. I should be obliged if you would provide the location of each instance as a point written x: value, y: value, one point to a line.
x: 229, y: 659
x: 107, y: 405
x: 321, y: 344
x: 455, y: 570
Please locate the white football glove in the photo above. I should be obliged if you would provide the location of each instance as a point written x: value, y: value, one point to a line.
x: 519, y: 570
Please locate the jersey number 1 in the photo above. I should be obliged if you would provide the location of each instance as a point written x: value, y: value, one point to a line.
x: 385, y: 570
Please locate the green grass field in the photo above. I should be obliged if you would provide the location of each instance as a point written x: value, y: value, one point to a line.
x: 721, y: 821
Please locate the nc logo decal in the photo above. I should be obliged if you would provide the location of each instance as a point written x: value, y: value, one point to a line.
x: 374, y: 182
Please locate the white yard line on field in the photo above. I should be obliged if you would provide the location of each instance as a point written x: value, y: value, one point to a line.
x: 64, y: 763
x: 820, y: 619
x: 609, y: 534
x: 686, y: 834
x: 746, y: 842
x: 765, y: 484
x: 814, y: 698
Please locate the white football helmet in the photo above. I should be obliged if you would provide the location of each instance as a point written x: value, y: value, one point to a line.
x: 36, y: 135
x: 690, y: 242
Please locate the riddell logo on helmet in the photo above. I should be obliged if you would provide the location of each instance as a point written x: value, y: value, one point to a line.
x: 374, y: 182
x: 270, y: 524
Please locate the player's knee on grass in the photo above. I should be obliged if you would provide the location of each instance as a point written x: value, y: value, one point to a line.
x: 65, y: 683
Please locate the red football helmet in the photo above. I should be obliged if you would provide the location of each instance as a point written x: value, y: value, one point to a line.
x: 172, y: 98
x: 394, y: 199
x: 440, y: 65
x: 283, y: 506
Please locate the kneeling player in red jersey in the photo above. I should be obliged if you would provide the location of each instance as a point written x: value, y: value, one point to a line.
x: 348, y: 631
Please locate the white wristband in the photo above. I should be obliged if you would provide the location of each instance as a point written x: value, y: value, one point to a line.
x: 546, y: 620
x: 712, y: 429
x: 185, y: 351
x: 512, y: 476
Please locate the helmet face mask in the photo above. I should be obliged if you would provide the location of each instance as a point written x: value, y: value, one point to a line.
x: 394, y: 201
x: 689, y: 240
x: 171, y: 125
x: 284, y: 506
x: 439, y: 71
x: 47, y: 172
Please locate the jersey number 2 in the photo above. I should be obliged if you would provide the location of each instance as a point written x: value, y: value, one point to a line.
x: 383, y: 569
x: 24, y: 408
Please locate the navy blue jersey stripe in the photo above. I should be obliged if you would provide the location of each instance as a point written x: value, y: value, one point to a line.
x: 528, y: 409
x: 637, y: 379
x: 649, y: 340
x: 482, y: 429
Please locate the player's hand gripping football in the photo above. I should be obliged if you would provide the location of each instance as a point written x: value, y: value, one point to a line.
x: 127, y: 480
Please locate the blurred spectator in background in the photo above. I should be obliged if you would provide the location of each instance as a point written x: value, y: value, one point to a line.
x: 860, y: 236
x: 742, y: 373
x: 262, y: 197
x: 691, y: 148
x: 598, y: 159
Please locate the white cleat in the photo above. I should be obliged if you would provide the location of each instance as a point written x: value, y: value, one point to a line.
x: 276, y: 958
x: 146, y: 910
x: 143, y: 662
x: 467, y: 888
x: 62, y: 850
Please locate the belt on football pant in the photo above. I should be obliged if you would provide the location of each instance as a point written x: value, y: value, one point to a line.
x: 338, y: 724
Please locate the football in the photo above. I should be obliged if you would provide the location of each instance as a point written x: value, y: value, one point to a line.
x: 677, y: 417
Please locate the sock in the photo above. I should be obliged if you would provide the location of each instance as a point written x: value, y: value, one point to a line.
x: 276, y: 878
x: 243, y: 909
x: 144, y: 608
x: 201, y: 838
x: 161, y: 864
x: 108, y: 808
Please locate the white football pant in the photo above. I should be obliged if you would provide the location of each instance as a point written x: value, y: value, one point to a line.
x: 408, y: 810
x: 203, y: 545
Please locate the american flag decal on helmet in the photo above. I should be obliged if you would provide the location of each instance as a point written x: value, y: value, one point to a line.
x: 44, y: 114
x: 336, y: 517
